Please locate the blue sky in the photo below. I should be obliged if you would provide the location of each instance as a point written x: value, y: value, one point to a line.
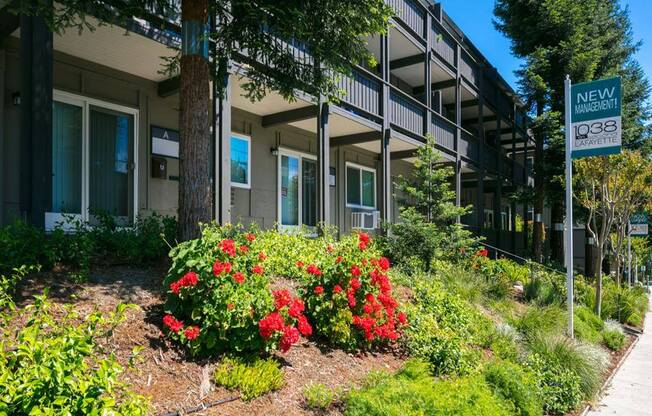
x: 474, y: 18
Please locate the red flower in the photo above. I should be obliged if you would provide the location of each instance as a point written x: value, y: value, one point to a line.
x: 257, y: 269
x: 230, y: 306
x: 370, y: 298
x: 368, y: 308
x: 339, y: 259
x: 299, y: 264
x: 402, y: 318
x: 243, y: 249
x: 363, y: 238
x: 384, y: 263
x: 228, y: 247
x: 362, y: 245
x: 219, y: 268
x: 355, y: 271
x: 270, y: 324
x: 350, y: 294
x: 282, y: 298
x: 191, y: 332
x: 482, y: 253
x: 296, y: 309
x: 337, y: 289
x: 355, y: 284
x: 239, y: 277
x: 319, y: 290
x: 329, y: 248
x: 175, y: 287
x: 290, y: 336
x: 262, y: 256
x: 314, y: 270
x: 172, y: 323
x: 250, y: 237
x: 304, y: 327
x: 190, y: 279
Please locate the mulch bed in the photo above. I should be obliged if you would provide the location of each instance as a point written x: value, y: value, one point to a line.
x: 176, y: 382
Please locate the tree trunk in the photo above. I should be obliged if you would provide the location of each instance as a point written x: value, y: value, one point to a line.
x: 598, y: 288
x: 539, y: 197
x: 195, y: 190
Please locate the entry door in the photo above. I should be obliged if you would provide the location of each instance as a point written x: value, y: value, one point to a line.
x: 297, y: 190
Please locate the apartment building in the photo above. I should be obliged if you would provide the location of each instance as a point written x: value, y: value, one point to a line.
x: 88, y: 122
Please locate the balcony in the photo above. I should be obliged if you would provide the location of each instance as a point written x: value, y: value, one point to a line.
x: 444, y: 131
x: 406, y: 113
x: 443, y: 45
x: 361, y: 92
x: 469, y: 69
x: 469, y: 147
x: 411, y: 13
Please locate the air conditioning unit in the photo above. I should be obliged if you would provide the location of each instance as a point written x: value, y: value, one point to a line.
x: 365, y: 220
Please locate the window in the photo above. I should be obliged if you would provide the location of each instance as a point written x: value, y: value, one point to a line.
x: 297, y: 189
x: 360, y: 186
x: 93, y: 161
x: 240, y: 161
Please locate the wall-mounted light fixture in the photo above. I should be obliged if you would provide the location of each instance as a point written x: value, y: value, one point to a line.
x: 15, y: 98
x: 274, y: 151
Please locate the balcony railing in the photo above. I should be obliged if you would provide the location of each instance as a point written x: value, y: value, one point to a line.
x: 490, y: 156
x: 443, y: 44
x: 361, y: 91
x: 444, y: 132
x: 469, y: 146
x: 406, y: 112
x: 469, y: 69
x: 411, y: 13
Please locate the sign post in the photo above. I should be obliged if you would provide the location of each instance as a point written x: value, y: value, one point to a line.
x: 592, y: 128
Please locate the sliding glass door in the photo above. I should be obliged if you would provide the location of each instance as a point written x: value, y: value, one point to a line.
x: 297, y: 190
x: 93, y: 160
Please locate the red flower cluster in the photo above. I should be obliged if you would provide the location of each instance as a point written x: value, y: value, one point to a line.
x: 482, y: 253
x: 239, y: 278
x: 172, y: 323
x: 288, y: 312
x: 250, y: 237
x: 257, y: 269
x: 219, y: 267
x: 192, y: 332
x: 313, y: 270
x: 187, y: 280
x: 363, y: 241
x: 228, y: 247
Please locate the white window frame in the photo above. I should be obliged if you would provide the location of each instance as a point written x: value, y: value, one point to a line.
x: 346, y: 186
x: 279, y: 209
x: 248, y: 140
x: 54, y: 219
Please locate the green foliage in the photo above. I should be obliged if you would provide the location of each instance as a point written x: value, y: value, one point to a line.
x: 516, y: 387
x: 540, y: 320
x: 559, y: 387
x: 253, y: 377
x: 57, y: 366
x: 225, y: 311
x: 625, y: 304
x: 443, y: 328
x: 412, y: 391
x: 348, y: 295
x: 504, y: 342
x: 587, y: 325
x: 9, y: 281
x: 318, y: 396
x: 585, y: 361
x: 613, y: 335
x: 428, y: 228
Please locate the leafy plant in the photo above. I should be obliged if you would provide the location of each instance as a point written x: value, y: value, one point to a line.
x: 412, y: 391
x: 253, y: 377
x: 57, y: 366
x: 219, y: 297
x: 318, y: 396
x: 515, y: 386
x: 348, y: 295
x: 9, y: 281
x: 540, y: 320
x: 587, y: 326
x: 613, y: 335
x: 559, y: 387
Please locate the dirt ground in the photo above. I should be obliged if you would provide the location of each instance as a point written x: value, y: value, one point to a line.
x: 173, y: 380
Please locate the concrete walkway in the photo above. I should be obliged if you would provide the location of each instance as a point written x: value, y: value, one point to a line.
x: 630, y: 392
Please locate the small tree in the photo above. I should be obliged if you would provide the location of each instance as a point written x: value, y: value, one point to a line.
x: 429, y: 215
x: 611, y: 188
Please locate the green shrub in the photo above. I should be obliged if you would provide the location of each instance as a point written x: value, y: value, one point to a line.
x: 625, y: 304
x: 9, y: 281
x: 58, y: 367
x: 505, y: 342
x: 412, y: 391
x: 318, y: 396
x: 558, y: 386
x: 515, y: 386
x: 252, y: 377
x: 349, y: 296
x: 219, y: 297
x: 540, y: 320
x: 586, y: 361
x: 23, y: 244
x: 459, y: 279
x: 587, y: 325
x: 613, y: 335
x: 443, y: 328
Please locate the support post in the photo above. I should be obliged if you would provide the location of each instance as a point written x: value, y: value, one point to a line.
x: 36, y: 119
x: 498, y: 190
x: 458, y: 128
x: 222, y: 140
x: 569, y: 206
x: 385, y: 154
x: 323, y: 158
x: 427, y: 95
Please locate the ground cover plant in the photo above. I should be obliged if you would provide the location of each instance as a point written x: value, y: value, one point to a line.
x: 251, y: 376
x: 59, y: 366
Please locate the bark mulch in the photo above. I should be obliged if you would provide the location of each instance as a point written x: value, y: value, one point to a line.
x: 176, y: 382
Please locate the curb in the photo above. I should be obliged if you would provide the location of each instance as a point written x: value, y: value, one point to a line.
x: 607, y: 382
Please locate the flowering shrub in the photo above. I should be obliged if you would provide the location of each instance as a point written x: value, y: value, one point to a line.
x: 219, y: 299
x: 348, y: 294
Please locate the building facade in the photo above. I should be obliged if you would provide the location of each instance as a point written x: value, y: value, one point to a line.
x: 89, y: 123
